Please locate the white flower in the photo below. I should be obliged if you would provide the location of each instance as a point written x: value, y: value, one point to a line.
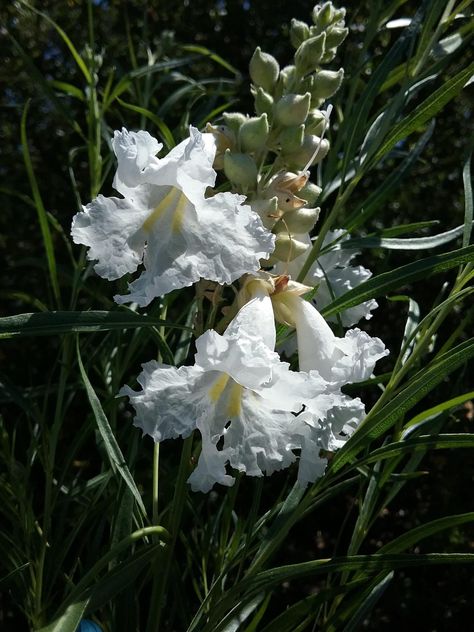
x: 239, y: 395
x: 165, y: 221
x: 339, y: 360
x: 334, y: 275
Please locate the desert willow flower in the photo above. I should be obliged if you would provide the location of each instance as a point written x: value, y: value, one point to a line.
x: 166, y: 220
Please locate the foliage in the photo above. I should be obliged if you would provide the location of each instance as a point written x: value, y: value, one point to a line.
x: 89, y: 529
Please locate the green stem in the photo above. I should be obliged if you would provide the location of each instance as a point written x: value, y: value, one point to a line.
x: 160, y: 579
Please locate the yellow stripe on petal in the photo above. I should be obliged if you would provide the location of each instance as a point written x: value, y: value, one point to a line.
x: 234, y: 405
x: 219, y: 385
x: 173, y: 201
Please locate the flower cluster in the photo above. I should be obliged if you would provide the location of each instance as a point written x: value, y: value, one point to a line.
x: 254, y: 414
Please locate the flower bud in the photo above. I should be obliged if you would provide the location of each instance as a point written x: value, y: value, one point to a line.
x: 310, y: 53
x: 316, y: 122
x: 224, y: 138
x: 310, y: 192
x: 335, y: 36
x: 253, y: 133
x: 240, y: 168
x: 264, y: 69
x: 326, y: 83
x: 323, y: 15
x: 292, y: 109
x: 267, y: 210
x: 291, y: 138
x: 234, y: 120
x: 312, y: 146
x: 301, y: 220
x: 263, y: 101
x: 287, y: 247
x: 299, y: 32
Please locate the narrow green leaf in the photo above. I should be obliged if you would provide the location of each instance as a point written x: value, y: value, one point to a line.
x: 69, y: 620
x: 202, y: 50
x: 395, y: 279
x: 468, y: 203
x: 54, y: 323
x: 164, y: 130
x: 42, y: 216
x: 418, y: 387
x: 426, y: 110
x: 68, y: 88
x: 78, y: 59
x: 117, y: 460
x: 455, y: 402
x: 369, y: 598
x: 417, y: 444
x: 411, y: 243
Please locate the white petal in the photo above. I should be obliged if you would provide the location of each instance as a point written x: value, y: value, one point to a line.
x: 165, y: 407
x: 255, y: 318
x: 211, y: 467
x: 135, y: 152
x: 111, y: 229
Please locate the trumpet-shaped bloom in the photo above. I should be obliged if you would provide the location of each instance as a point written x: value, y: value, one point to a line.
x: 334, y: 275
x: 239, y: 395
x: 165, y: 221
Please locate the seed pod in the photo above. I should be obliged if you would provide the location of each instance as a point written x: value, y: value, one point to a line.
x: 264, y: 69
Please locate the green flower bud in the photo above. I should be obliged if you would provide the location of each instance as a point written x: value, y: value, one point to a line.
x: 300, y: 221
x: 291, y: 138
x: 253, y: 133
x: 287, y: 247
x: 234, y: 120
x: 299, y: 32
x: 292, y: 109
x: 335, y: 36
x: 316, y: 122
x: 263, y: 101
x: 310, y: 53
x: 323, y: 15
x: 267, y: 210
x: 312, y: 145
x: 240, y: 168
x: 326, y: 83
x: 310, y: 192
x: 263, y: 69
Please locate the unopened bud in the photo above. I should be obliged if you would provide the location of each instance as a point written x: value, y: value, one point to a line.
x: 253, y: 133
x: 224, y: 138
x: 335, y: 36
x: 323, y: 15
x: 287, y: 247
x: 299, y: 32
x: 292, y: 109
x: 326, y: 83
x: 310, y: 53
x: 240, y: 168
x: 263, y: 101
x: 267, y: 210
x: 264, y: 69
x: 234, y: 120
x: 316, y: 122
x: 299, y: 221
x: 314, y: 149
x: 310, y: 192
x: 291, y: 138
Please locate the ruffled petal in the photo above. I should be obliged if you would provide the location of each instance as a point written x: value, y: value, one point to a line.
x: 135, y: 152
x: 111, y: 228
